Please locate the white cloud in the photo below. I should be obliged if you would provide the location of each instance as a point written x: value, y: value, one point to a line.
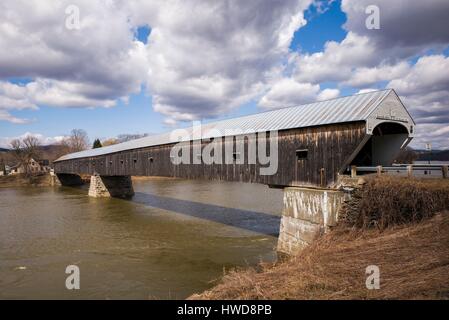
x: 13, y: 97
x: 287, y: 92
x: 425, y: 91
x: 363, y: 76
x: 429, y: 74
x: 366, y: 90
x: 337, y: 61
x: 406, y: 27
x: 90, y: 67
x: 368, y: 59
x: 206, y: 58
x: 365, y: 56
x: 328, y: 94
x: 202, y: 58
x: 5, y: 142
x: 6, y: 116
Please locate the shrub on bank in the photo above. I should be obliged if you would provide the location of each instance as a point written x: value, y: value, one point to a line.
x: 386, y: 201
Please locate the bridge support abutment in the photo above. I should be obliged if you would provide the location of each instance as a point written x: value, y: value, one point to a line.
x: 111, y: 186
x: 307, y: 214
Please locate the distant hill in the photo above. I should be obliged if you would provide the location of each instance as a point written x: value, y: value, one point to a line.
x: 436, y: 155
x: 49, y: 152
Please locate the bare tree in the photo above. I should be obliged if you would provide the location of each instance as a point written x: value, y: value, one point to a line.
x: 31, y: 146
x: 17, y: 151
x: 77, y: 141
x: 24, y: 150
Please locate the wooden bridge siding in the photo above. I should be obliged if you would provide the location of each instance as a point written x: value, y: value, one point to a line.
x: 328, y: 147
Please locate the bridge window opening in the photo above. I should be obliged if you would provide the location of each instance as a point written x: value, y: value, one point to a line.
x: 302, y: 154
x: 236, y: 156
x: 151, y: 159
x: 135, y: 160
x: 122, y: 162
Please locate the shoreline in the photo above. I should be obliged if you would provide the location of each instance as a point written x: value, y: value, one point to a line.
x: 46, y: 180
x: 21, y: 180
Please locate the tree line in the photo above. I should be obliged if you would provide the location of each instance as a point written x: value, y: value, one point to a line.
x: 22, y: 150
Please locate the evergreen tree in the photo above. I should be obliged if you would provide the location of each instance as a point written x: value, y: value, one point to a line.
x: 97, y: 144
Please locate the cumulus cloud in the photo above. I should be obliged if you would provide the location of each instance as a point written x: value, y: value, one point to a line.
x: 337, y: 61
x: 206, y: 58
x: 13, y: 97
x: 366, y: 56
x: 103, y: 50
x: 287, y: 92
x: 406, y: 27
x: 364, y: 76
x: 390, y: 57
x: 425, y: 91
x: 92, y: 66
x: 201, y: 59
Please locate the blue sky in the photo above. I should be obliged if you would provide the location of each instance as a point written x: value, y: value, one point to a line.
x: 172, y: 68
x: 137, y: 116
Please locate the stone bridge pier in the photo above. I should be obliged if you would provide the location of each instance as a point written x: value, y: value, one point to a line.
x: 100, y: 186
x: 307, y: 214
x: 111, y: 186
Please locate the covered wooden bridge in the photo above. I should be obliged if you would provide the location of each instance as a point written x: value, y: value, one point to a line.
x: 315, y: 143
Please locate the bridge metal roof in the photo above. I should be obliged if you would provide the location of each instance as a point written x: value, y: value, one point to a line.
x: 340, y: 110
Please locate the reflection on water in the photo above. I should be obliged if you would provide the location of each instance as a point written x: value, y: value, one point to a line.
x: 249, y: 220
x: 170, y: 241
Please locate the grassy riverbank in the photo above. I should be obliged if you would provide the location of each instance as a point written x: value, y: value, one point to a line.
x: 413, y: 262
x: 399, y: 225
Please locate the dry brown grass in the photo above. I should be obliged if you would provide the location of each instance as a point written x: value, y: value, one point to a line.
x: 21, y: 180
x: 413, y: 262
x: 387, y: 201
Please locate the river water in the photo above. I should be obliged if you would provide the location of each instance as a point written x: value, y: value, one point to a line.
x: 174, y: 238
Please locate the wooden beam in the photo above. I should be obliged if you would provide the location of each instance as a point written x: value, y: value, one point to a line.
x: 379, y: 170
x: 410, y: 171
x: 353, y: 171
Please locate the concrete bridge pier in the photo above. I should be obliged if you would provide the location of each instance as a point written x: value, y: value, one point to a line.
x: 111, y: 186
x: 307, y: 214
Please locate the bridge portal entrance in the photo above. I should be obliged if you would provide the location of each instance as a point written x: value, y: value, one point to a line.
x: 383, y: 145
